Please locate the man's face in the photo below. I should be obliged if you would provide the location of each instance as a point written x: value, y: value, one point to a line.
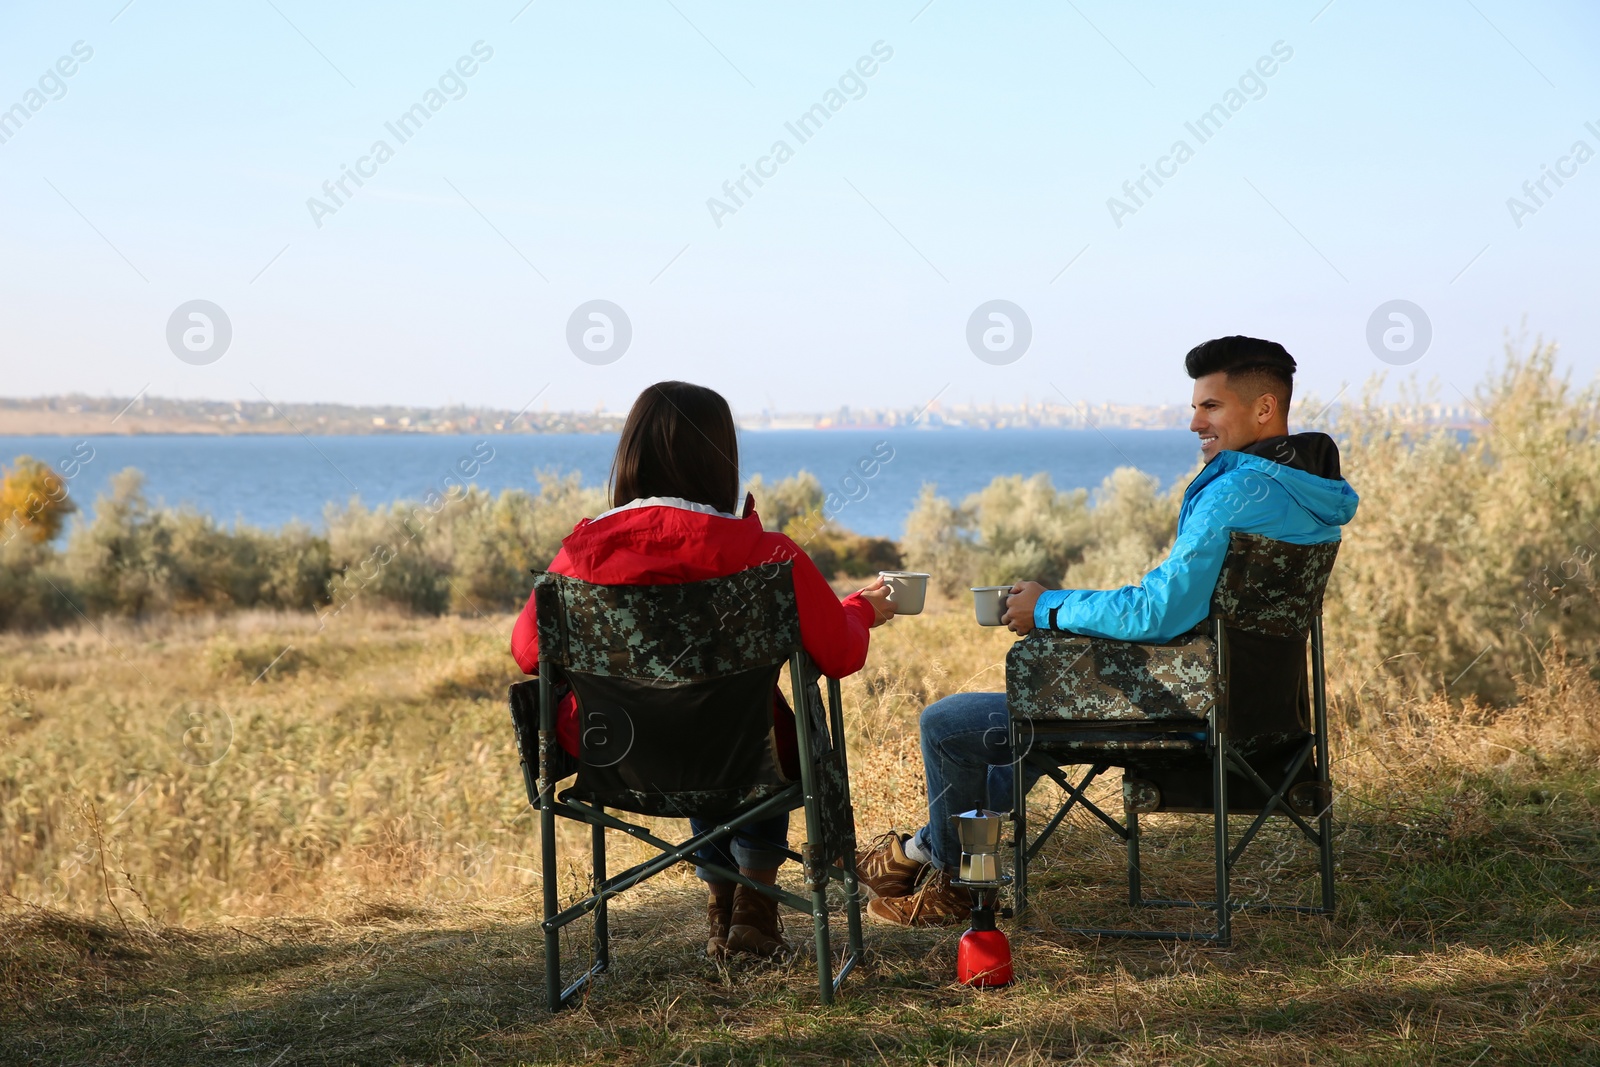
x: 1222, y: 417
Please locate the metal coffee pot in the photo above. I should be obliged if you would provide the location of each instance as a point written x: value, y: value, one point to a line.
x: 979, y: 834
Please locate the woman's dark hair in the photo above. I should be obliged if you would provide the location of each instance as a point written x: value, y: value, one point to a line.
x: 680, y: 441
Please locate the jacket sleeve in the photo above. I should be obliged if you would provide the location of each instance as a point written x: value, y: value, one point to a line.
x: 1171, y: 599
x: 833, y: 631
x: 525, y: 634
x: 525, y: 639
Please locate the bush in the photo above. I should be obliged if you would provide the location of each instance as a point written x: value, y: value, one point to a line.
x: 389, y: 555
x: 121, y: 559
x: 779, y: 505
x: 939, y: 540
x: 134, y: 560
x: 1018, y: 528
x: 1469, y: 556
x: 495, y: 544
x: 1131, y: 527
x: 33, y: 501
x: 31, y: 595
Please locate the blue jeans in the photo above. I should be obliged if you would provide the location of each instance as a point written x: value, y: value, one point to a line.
x: 747, y: 850
x: 967, y: 760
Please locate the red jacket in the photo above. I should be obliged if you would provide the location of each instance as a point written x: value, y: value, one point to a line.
x: 665, y: 545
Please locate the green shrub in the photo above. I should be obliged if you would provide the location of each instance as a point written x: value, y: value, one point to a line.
x: 1468, y: 558
x: 295, y: 567
x: 33, y: 591
x: 494, y: 544
x: 389, y: 555
x: 1018, y: 528
x: 780, y: 504
x: 120, y: 559
x: 1131, y: 527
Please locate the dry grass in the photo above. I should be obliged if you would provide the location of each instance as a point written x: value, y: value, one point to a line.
x: 353, y: 881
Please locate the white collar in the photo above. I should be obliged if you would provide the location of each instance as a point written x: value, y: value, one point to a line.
x: 666, y: 502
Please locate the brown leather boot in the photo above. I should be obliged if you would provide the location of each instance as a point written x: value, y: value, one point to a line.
x: 756, y: 928
x: 936, y: 903
x: 884, y: 867
x: 719, y: 916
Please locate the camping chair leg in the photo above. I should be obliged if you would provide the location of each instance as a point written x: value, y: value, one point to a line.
x: 1219, y: 803
x: 819, y: 916
x: 1325, y: 833
x: 1019, y: 826
x: 602, y: 928
x: 1135, y: 889
x: 547, y: 842
x: 852, y: 884
x: 816, y: 881
x: 1319, y: 697
x: 852, y: 911
x: 552, y: 937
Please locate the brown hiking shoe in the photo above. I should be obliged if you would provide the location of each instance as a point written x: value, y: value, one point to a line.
x: 719, y: 916
x: 884, y: 867
x: 755, y: 926
x: 936, y: 903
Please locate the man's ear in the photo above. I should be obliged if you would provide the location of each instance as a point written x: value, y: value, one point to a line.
x: 1266, y: 408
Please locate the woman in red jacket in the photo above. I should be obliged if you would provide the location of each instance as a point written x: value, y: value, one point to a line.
x: 675, y: 491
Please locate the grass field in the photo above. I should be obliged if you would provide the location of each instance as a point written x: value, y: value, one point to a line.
x: 340, y: 867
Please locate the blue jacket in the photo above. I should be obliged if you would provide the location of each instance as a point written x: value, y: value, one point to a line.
x: 1235, y: 491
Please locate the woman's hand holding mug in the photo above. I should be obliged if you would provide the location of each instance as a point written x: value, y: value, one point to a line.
x: 877, y: 594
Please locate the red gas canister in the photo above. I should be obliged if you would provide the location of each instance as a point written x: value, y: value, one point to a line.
x: 984, y: 958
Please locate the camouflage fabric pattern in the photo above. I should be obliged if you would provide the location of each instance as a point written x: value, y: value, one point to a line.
x: 1050, y: 674
x: 668, y: 633
x: 1272, y: 587
x: 835, y: 836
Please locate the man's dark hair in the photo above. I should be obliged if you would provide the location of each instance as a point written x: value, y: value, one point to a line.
x: 679, y: 440
x: 1253, y: 366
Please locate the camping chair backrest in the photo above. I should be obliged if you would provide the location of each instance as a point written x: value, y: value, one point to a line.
x: 1272, y: 587
x: 674, y: 685
x: 1265, y: 605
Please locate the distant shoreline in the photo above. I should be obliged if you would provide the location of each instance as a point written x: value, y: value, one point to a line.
x: 78, y: 415
x: 81, y: 416
x: 141, y: 431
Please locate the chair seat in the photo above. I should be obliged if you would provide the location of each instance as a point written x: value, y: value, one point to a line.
x: 689, y: 804
x: 1089, y: 739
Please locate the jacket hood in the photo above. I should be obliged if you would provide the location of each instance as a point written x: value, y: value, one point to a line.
x: 653, y: 545
x: 1313, y: 452
x: 1329, y: 501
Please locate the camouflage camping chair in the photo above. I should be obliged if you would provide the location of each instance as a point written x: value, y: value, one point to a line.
x: 674, y: 685
x: 1215, y: 722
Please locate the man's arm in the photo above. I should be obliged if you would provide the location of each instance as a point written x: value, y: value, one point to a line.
x: 1171, y: 599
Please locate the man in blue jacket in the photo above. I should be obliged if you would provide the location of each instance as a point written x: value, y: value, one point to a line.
x: 1258, y: 478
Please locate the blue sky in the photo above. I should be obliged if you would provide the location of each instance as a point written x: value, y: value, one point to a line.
x: 975, y: 163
